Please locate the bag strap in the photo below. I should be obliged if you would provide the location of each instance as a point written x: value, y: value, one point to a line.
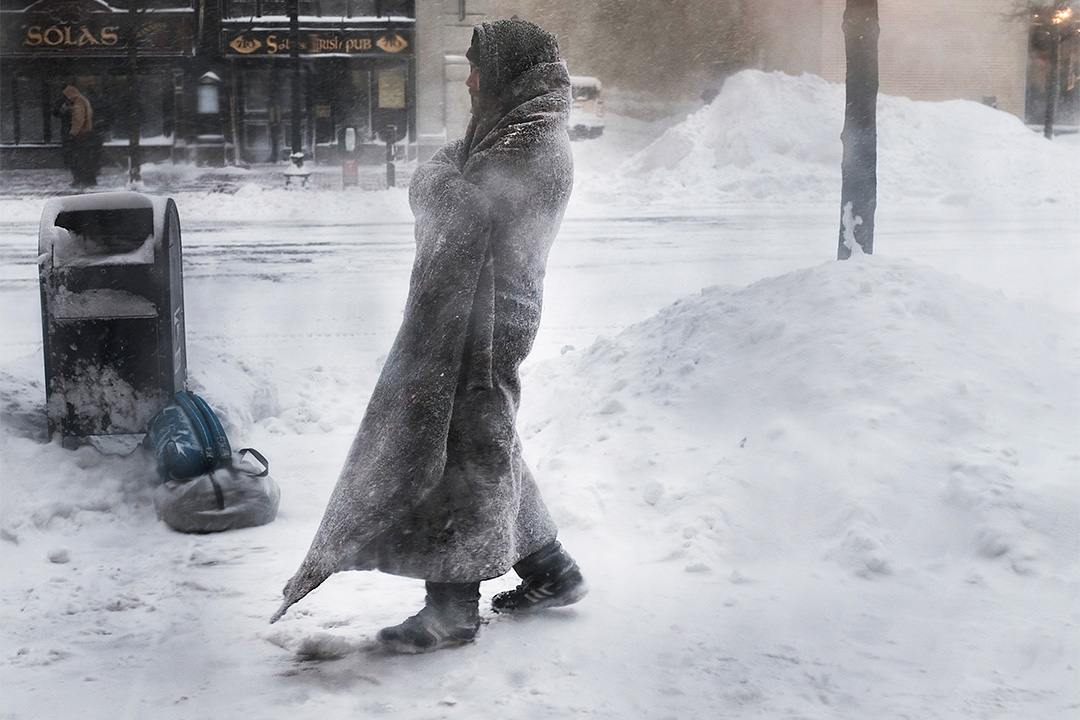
x: 258, y: 456
x: 219, y: 493
x: 219, y: 441
x: 198, y: 422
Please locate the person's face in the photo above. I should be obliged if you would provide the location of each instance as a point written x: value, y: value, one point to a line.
x: 473, y: 83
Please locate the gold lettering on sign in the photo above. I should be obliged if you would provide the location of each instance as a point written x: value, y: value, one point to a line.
x: 244, y: 45
x: 392, y: 43
x: 85, y: 36
x: 67, y: 36
x: 320, y: 44
x: 316, y: 43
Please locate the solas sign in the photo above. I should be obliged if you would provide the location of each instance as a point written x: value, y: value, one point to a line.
x: 68, y: 36
x: 158, y: 36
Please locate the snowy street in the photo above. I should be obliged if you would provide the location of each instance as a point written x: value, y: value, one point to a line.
x: 798, y: 488
x: 604, y: 273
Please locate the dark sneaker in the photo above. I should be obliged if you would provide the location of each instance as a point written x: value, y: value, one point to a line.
x: 425, y: 631
x: 531, y: 597
x: 550, y: 579
x: 450, y: 617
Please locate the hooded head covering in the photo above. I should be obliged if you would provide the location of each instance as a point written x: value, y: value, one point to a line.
x: 82, y: 115
x: 504, y: 50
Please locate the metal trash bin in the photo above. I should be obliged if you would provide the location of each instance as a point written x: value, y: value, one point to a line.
x: 112, y: 313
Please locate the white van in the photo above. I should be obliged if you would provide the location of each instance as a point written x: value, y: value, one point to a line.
x: 586, y: 108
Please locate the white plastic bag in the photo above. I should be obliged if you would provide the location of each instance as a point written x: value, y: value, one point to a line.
x: 227, y: 498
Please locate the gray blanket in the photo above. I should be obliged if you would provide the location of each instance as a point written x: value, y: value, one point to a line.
x: 434, y: 486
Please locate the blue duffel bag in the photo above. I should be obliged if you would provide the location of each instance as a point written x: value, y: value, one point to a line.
x: 205, y: 487
x: 188, y: 438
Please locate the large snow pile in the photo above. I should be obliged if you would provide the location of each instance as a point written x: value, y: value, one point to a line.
x: 874, y: 414
x: 777, y: 136
x: 874, y: 462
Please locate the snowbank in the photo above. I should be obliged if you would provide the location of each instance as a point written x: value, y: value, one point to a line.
x: 866, y: 405
x: 776, y: 136
x: 847, y: 490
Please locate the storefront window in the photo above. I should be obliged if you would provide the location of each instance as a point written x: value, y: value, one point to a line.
x: 392, y: 88
x: 263, y: 107
x: 390, y: 117
x: 209, y: 103
x: 209, y: 97
x: 108, y: 94
x: 25, y: 117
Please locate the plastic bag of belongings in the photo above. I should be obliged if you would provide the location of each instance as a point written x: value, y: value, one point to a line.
x: 205, y: 486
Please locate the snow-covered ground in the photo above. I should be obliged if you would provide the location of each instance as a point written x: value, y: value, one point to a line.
x: 799, y: 488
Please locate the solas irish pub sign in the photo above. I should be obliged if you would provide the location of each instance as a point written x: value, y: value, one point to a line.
x: 90, y: 28
x: 319, y: 42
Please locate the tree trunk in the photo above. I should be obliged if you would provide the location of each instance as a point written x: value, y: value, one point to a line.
x: 859, y: 165
x: 294, y: 60
x: 1053, y: 87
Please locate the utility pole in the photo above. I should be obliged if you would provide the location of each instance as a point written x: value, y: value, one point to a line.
x: 133, y: 120
x: 294, y: 56
x: 1061, y: 24
x: 858, y: 200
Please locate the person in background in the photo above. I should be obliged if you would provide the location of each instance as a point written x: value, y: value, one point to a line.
x: 78, y: 138
x: 434, y: 486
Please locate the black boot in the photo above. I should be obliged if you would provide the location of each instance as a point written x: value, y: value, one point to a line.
x: 451, y: 616
x: 550, y: 578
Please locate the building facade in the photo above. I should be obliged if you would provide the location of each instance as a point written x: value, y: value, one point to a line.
x: 211, y: 81
x: 356, y: 70
x: 992, y: 52
x: 49, y: 43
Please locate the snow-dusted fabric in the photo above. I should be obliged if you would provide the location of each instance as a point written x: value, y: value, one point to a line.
x: 434, y: 486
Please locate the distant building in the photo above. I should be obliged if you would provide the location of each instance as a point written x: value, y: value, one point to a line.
x: 655, y: 53
x: 928, y: 50
x: 213, y: 78
x: 357, y: 71
x: 47, y: 43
